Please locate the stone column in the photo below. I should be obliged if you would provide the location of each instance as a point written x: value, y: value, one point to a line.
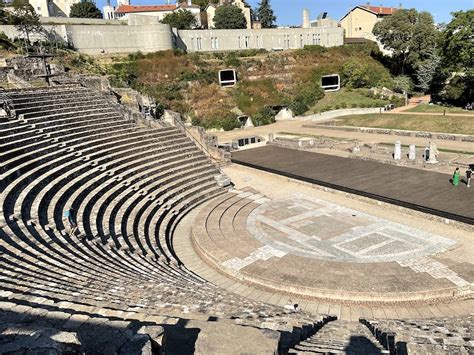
x: 433, y: 153
x: 397, y: 153
x: 412, y: 152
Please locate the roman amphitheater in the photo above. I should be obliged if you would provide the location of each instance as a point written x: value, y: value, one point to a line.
x: 122, y: 238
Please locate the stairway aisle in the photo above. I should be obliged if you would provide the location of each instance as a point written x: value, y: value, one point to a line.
x: 340, y: 337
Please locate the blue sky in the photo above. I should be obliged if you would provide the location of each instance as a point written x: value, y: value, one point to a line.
x: 289, y: 12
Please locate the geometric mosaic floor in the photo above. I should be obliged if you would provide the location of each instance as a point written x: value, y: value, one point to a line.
x: 319, y: 248
x: 314, y: 228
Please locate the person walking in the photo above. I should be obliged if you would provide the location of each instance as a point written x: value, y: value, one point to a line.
x: 468, y: 176
x: 456, y: 177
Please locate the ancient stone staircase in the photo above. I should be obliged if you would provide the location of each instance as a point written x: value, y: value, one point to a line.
x: 340, y: 337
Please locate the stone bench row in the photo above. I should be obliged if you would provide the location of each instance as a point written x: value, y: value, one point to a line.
x: 75, y: 167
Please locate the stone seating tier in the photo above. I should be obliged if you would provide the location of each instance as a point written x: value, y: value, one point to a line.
x: 127, y: 188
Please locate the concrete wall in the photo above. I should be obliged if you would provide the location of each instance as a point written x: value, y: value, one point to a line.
x: 285, y: 38
x: 147, y: 34
x: 142, y: 33
x: 79, y: 21
x: 97, y: 39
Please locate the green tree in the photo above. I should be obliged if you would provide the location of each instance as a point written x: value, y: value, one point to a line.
x: 411, y: 35
x: 426, y: 71
x: 229, y: 17
x: 458, y: 43
x: 265, y: 13
x: 203, y: 3
x: 26, y: 20
x: 457, y: 52
x: 181, y: 19
x: 86, y: 9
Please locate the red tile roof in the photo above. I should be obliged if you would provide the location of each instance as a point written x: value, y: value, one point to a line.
x: 128, y: 9
x: 380, y: 10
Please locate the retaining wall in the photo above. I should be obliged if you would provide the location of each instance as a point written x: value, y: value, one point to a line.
x: 397, y: 132
x: 339, y: 113
x: 281, y: 38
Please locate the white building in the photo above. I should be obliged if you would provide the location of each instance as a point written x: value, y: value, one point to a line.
x: 124, y: 8
x: 53, y: 8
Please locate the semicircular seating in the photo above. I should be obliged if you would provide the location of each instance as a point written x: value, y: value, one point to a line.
x: 69, y: 149
x: 127, y: 187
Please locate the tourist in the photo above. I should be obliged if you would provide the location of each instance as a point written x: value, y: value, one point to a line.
x: 456, y: 177
x: 468, y: 176
x: 68, y: 215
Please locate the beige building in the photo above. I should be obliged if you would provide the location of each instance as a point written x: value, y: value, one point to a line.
x: 211, y: 11
x: 360, y: 21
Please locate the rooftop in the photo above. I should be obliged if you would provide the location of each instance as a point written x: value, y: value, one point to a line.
x: 380, y: 10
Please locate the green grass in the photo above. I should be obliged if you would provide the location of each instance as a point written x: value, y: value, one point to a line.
x: 439, y: 109
x: 251, y: 97
x: 441, y: 124
x: 346, y: 98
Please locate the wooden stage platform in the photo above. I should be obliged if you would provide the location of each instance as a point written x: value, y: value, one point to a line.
x: 421, y: 190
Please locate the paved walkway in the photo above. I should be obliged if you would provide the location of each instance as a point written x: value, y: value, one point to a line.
x: 417, y: 189
x: 295, y: 127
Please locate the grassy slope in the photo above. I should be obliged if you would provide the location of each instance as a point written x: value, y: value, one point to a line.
x: 446, y: 124
x: 439, y: 109
x: 348, y: 98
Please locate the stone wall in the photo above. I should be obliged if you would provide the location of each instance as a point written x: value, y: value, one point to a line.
x: 101, y: 37
x: 398, y: 132
x: 147, y: 34
x: 276, y: 38
x: 340, y: 113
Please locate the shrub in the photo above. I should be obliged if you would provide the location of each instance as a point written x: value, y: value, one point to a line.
x: 298, y: 106
x: 402, y: 84
x: 314, y: 49
x: 343, y: 105
x: 264, y: 116
x: 354, y: 105
x: 359, y: 74
x: 232, y: 60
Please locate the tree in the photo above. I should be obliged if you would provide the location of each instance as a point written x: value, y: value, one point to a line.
x: 426, y: 71
x: 457, y: 51
x: 26, y: 20
x: 458, y: 45
x: 86, y: 9
x: 265, y: 13
x: 181, y: 19
x: 203, y: 3
x: 229, y: 17
x: 411, y: 35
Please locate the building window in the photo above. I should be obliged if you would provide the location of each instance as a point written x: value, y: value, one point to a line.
x: 286, y: 40
x: 247, y: 41
x: 301, y: 41
x: 240, y: 46
x: 214, y: 43
x: 199, y: 43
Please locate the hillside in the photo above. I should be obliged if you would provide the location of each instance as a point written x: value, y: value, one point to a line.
x: 188, y: 83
